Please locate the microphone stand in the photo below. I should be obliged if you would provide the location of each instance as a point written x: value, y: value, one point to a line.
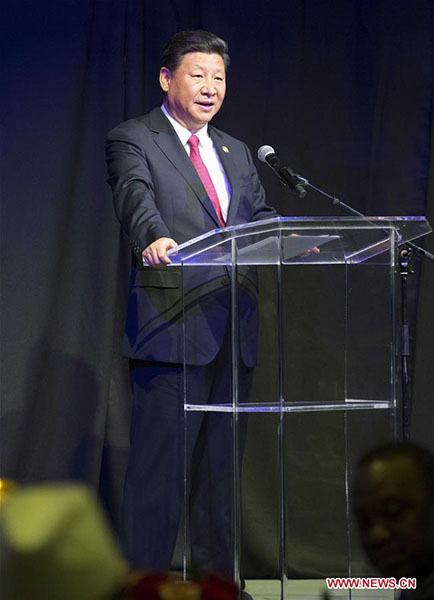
x: 405, y: 269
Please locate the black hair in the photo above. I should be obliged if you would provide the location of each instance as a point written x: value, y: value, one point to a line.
x: 192, y: 41
x: 421, y: 458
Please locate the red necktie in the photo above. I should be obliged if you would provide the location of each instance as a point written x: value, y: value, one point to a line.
x: 202, y: 171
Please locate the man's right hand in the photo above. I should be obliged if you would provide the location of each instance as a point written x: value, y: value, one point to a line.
x: 155, y: 255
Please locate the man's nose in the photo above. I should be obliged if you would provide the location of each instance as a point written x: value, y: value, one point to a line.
x: 378, y: 534
x: 209, y: 89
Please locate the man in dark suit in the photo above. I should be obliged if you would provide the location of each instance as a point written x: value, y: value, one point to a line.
x: 174, y: 177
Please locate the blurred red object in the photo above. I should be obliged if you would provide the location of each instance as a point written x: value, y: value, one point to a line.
x: 158, y: 586
x: 215, y: 587
x: 145, y: 587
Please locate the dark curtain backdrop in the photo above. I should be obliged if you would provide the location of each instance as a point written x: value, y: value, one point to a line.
x: 343, y: 90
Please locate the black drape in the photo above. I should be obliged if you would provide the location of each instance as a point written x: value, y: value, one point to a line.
x: 342, y: 90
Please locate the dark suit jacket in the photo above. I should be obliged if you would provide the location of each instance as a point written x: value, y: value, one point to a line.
x: 157, y: 193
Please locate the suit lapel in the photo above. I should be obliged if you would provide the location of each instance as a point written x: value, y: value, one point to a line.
x: 170, y: 144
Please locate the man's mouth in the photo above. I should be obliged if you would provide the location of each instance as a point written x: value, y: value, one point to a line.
x: 390, y: 560
x: 205, y: 104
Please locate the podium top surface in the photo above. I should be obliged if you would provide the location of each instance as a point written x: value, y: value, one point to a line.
x: 289, y: 240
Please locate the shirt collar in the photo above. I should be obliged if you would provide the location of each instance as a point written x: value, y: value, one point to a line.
x: 184, y: 134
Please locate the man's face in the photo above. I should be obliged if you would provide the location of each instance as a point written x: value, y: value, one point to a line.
x: 395, y: 513
x: 196, y: 90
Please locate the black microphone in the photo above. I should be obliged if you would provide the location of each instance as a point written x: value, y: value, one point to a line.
x: 286, y: 176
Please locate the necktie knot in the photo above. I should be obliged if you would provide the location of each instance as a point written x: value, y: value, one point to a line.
x: 193, y: 141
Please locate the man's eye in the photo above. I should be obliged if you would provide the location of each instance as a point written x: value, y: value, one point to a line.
x: 197, y: 76
x: 394, y: 510
x: 218, y: 78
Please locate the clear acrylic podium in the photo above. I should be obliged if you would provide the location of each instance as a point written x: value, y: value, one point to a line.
x: 329, y: 343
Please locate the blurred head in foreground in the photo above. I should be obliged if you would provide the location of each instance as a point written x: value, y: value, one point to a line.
x: 394, y: 505
x: 55, y: 544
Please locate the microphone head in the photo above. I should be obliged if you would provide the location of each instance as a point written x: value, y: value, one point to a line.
x: 265, y: 151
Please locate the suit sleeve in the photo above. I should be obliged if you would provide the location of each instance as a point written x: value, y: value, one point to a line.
x: 133, y: 189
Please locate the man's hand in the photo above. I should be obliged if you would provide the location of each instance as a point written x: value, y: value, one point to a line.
x: 314, y: 250
x: 155, y: 254
x: 309, y: 251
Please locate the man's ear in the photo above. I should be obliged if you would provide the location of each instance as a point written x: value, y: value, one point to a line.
x: 165, y: 77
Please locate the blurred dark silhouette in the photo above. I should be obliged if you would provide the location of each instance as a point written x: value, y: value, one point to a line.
x: 394, y: 505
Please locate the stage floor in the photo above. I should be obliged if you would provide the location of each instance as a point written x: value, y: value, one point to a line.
x: 309, y: 589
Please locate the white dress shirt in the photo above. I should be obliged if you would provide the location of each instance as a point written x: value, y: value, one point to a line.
x: 210, y: 158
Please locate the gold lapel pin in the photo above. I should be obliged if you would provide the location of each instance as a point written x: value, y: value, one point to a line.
x: 225, y: 149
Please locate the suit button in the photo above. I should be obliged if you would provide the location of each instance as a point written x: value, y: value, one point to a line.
x: 225, y: 281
